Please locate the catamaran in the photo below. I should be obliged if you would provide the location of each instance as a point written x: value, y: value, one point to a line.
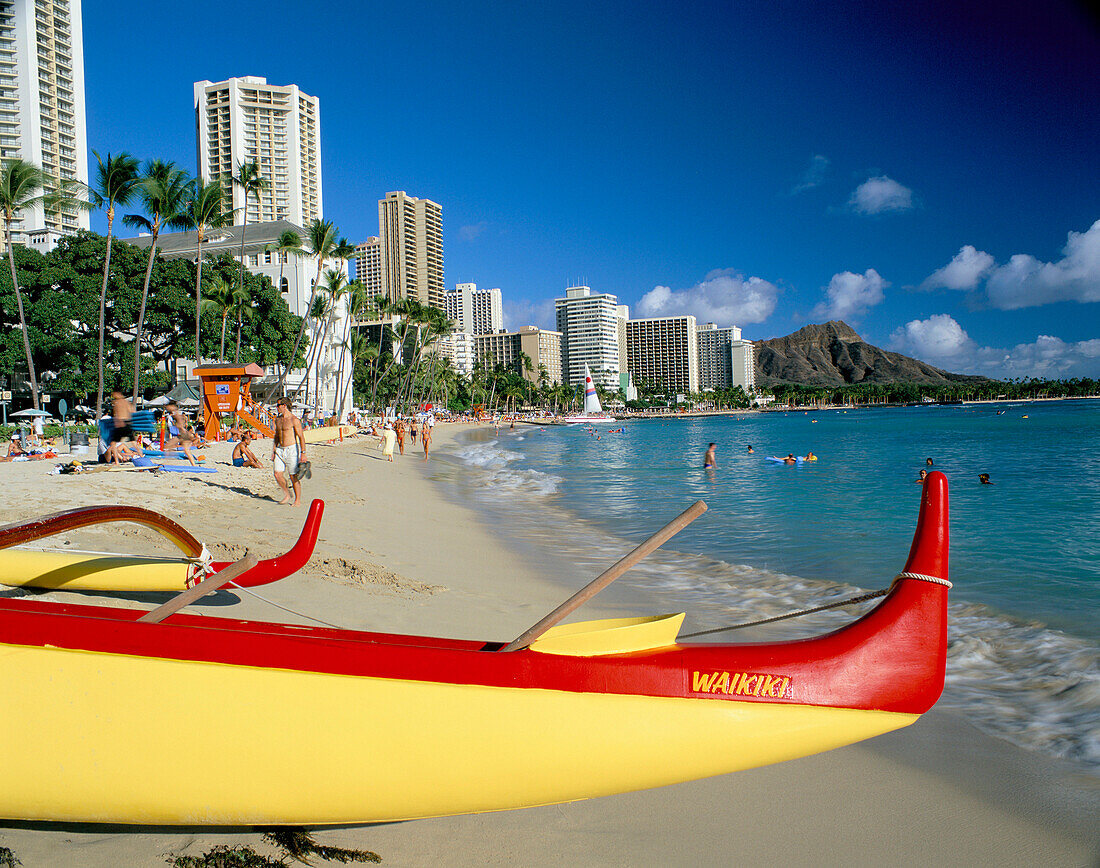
x: 593, y: 410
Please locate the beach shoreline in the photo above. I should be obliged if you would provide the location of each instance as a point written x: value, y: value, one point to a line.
x: 396, y: 554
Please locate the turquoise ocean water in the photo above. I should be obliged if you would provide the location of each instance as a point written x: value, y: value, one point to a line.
x: 1025, y: 551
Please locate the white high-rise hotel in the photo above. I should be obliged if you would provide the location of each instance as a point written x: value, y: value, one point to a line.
x: 42, y: 104
x: 593, y: 329
x: 473, y: 310
x: 246, y: 119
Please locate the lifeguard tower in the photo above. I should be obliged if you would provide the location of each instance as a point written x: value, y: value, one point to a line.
x: 225, y: 390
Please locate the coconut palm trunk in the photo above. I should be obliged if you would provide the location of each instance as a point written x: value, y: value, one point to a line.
x: 141, y: 310
x: 22, y: 315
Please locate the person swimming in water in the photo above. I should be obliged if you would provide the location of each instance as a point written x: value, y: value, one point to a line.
x: 790, y: 459
x: 923, y: 475
x: 984, y: 479
x: 750, y: 449
x: 708, y: 459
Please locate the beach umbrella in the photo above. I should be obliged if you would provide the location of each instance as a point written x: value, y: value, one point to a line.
x: 27, y: 414
x: 157, y: 402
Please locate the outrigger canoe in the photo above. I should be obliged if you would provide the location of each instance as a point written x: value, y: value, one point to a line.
x: 97, y: 571
x: 204, y: 720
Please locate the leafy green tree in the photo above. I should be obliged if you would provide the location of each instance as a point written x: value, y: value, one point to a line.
x: 115, y: 184
x: 242, y: 310
x: 163, y: 190
x: 219, y: 298
x: 22, y: 185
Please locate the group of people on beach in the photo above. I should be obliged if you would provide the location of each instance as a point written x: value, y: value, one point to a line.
x: 118, y: 449
x: 393, y: 433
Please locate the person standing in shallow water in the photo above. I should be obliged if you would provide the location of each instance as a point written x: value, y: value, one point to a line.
x: 708, y: 459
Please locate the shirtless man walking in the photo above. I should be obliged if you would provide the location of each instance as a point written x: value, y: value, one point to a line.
x: 288, y: 449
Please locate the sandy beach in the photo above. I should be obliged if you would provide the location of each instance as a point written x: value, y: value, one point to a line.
x: 395, y: 555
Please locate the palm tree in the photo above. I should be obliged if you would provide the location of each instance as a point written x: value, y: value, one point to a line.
x: 360, y: 347
x: 289, y: 243
x: 249, y: 180
x: 204, y: 210
x: 219, y: 298
x: 163, y: 189
x: 243, y: 310
x: 20, y: 186
x: 320, y: 242
x: 337, y: 289
x: 357, y: 303
x: 115, y: 184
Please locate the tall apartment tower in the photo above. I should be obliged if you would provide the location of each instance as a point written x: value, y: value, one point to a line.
x: 715, y: 355
x: 473, y: 310
x: 743, y: 365
x: 411, y: 230
x: 42, y: 105
x: 590, y: 334
x: 368, y: 265
x: 664, y: 352
x: 241, y: 120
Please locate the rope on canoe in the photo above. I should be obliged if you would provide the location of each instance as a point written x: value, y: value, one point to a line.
x: 284, y: 608
x: 851, y: 601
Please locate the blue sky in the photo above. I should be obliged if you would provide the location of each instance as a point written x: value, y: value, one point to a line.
x: 928, y: 172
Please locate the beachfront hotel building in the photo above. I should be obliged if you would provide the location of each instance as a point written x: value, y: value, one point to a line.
x: 715, y: 355
x: 411, y: 233
x: 663, y: 352
x: 292, y: 275
x: 42, y: 107
x: 541, y: 346
x: 241, y: 120
x: 593, y: 331
x: 743, y: 365
x: 368, y: 265
x: 460, y: 348
x: 473, y: 310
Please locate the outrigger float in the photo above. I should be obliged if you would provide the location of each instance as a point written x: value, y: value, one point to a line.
x: 103, y: 571
x: 204, y: 720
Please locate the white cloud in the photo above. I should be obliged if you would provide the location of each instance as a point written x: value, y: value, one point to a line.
x: 848, y: 295
x: 941, y: 341
x: 1024, y: 281
x: 521, y: 312
x: 938, y: 339
x: 471, y: 231
x: 813, y: 176
x: 723, y: 297
x: 879, y: 195
x: 964, y: 271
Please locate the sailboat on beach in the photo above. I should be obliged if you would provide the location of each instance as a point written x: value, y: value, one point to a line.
x: 593, y: 411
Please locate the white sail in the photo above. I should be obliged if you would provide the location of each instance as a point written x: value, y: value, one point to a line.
x: 591, y: 399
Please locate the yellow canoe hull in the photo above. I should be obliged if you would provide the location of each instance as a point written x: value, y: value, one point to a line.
x: 113, y: 738
x: 76, y: 571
